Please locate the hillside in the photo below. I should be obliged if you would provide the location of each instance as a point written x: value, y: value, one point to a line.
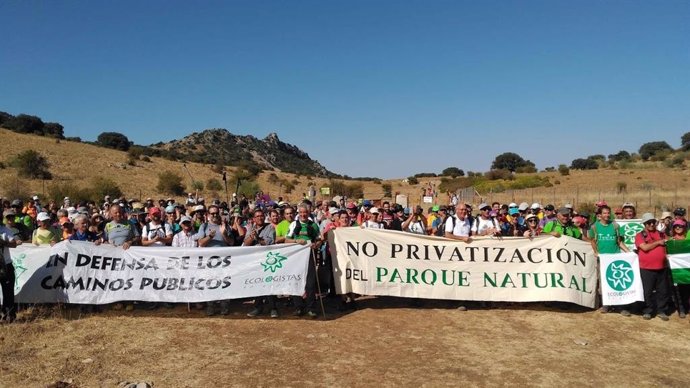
x: 649, y: 184
x: 219, y: 145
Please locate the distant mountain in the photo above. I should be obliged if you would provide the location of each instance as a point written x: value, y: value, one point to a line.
x: 219, y: 145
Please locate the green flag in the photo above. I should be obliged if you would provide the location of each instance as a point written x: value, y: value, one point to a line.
x: 678, y: 252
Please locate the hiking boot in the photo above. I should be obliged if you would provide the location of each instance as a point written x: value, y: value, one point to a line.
x: 663, y: 317
x: 647, y: 317
x: 274, y: 313
x: 256, y: 312
x: 210, y: 311
x: 312, y: 315
x: 625, y: 313
x: 298, y: 313
x: 224, y: 309
x: 605, y: 309
x: 682, y: 315
x: 129, y: 307
x: 118, y: 306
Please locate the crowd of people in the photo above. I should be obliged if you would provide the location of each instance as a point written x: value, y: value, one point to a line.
x: 260, y: 221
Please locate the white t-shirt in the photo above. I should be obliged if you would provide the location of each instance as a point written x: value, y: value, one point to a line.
x: 369, y: 224
x: 461, y: 227
x: 161, y: 230
x: 480, y: 225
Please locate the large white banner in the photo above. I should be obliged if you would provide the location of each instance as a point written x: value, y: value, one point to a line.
x: 620, y: 279
x: 81, y: 272
x: 381, y: 262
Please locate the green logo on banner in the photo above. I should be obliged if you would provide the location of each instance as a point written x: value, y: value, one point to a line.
x: 630, y: 230
x: 273, y: 262
x: 620, y: 275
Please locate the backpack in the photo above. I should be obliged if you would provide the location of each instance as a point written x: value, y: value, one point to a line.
x: 441, y: 230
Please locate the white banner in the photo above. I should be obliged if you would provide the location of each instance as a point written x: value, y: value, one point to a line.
x: 381, y: 262
x: 81, y: 272
x: 620, y: 279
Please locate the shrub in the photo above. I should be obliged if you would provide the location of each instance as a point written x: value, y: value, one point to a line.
x: 387, y: 190
x: 214, y: 185
x: 621, y: 187
x: 412, y: 180
x: 59, y: 190
x: 31, y: 164
x: 584, y: 164
x: 114, y: 140
x: 563, y: 169
x: 102, y: 186
x: 170, y: 183
x: 452, y: 172
x: 498, y: 174
x: 198, y: 185
x: 273, y: 178
x: 647, y: 150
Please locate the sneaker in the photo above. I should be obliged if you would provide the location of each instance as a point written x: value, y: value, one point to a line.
x: 210, y: 311
x: 129, y: 307
x: 605, y: 309
x: 118, y: 306
x: 274, y: 313
x: 255, y: 313
x: 625, y: 313
x: 462, y: 308
x: 663, y: 316
x: 224, y: 309
x: 682, y: 315
x: 298, y: 313
x: 647, y: 317
x: 312, y: 315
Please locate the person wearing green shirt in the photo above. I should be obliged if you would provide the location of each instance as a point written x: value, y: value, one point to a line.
x: 284, y: 226
x: 562, y: 225
x: 305, y: 231
x: 605, y: 237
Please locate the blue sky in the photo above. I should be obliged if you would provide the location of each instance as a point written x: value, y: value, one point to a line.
x: 368, y: 88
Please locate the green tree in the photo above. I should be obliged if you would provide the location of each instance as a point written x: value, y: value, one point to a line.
x: 25, y: 124
x: 114, y: 140
x: 453, y: 172
x: 685, y: 141
x: 647, y: 150
x: 170, y: 183
x: 510, y: 161
x: 584, y: 164
x: 31, y: 164
x: 102, y: 186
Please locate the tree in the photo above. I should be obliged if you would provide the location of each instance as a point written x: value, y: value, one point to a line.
x: 647, y: 150
x: 620, y: 156
x: 25, y: 124
x: 170, y: 183
x: 563, y: 169
x: 510, y: 161
x: 103, y: 186
x: 214, y: 184
x: 387, y: 190
x: 584, y: 164
x: 684, y: 141
x: 4, y: 117
x: 453, y: 172
x: 114, y: 140
x: 54, y: 130
x: 30, y: 164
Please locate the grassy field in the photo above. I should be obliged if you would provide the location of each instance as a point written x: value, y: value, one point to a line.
x: 649, y: 185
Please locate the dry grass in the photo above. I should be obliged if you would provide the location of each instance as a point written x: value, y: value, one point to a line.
x: 649, y: 187
x: 385, y: 343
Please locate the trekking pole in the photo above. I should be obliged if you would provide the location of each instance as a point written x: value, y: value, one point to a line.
x: 318, y: 282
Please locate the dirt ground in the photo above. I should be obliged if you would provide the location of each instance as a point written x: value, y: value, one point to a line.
x: 386, y: 342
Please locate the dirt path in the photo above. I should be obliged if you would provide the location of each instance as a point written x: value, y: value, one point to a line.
x: 385, y: 343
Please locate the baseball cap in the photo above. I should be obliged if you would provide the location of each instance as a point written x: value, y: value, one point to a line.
x: 184, y: 219
x: 351, y: 205
x: 512, y: 211
x: 170, y: 209
x: 435, y: 208
x: 523, y: 206
x: 43, y: 216
x: 679, y: 222
x: 564, y: 210
x: 601, y: 203
x: 483, y: 205
x: 513, y: 204
x: 679, y: 211
x: 648, y: 217
x: 549, y: 207
x: 536, y: 205
x: 374, y: 210
x: 666, y: 215
x: 628, y: 204
x: 332, y: 210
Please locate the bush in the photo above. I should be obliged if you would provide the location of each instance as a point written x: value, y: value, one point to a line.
x: 114, y: 140
x: 387, y: 190
x: 214, y: 185
x: 412, y: 180
x: 621, y: 187
x: 620, y: 156
x: 498, y: 174
x: 685, y: 141
x: 59, y: 190
x: 648, y: 150
x: 584, y: 164
x: 102, y: 186
x: 14, y: 188
x: 452, y: 172
x: 30, y: 164
x: 146, y: 159
x: 273, y: 179
x: 563, y: 169
x: 530, y: 168
x: 198, y: 185
x: 170, y: 183
x: 352, y: 190
x: 660, y: 156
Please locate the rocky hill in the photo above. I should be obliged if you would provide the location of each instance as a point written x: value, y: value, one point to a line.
x: 219, y: 145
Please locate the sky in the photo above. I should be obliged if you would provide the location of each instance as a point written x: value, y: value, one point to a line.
x: 377, y: 88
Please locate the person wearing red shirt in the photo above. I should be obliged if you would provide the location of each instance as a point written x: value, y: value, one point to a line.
x: 651, y: 249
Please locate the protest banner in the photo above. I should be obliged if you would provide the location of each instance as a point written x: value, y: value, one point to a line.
x: 381, y: 262
x: 81, y: 272
x: 678, y: 252
x: 621, y: 283
x: 628, y: 230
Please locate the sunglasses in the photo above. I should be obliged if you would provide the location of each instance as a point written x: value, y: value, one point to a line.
x: 650, y: 223
x: 213, y: 214
x: 532, y: 221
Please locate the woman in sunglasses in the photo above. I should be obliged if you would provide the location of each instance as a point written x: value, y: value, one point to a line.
x: 533, y: 228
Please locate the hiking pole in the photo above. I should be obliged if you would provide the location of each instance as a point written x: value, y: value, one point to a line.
x: 318, y: 282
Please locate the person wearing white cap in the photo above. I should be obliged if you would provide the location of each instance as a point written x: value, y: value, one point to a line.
x: 186, y: 238
x: 372, y: 221
x: 629, y: 212
x: 484, y: 224
x: 44, y: 234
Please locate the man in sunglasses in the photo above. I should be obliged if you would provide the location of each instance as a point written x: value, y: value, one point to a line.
x: 563, y: 226
x: 484, y: 224
x: 651, y: 249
